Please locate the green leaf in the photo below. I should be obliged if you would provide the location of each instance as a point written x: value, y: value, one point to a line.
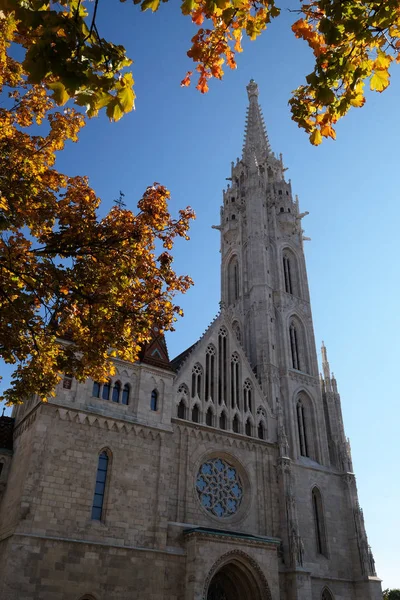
x: 188, y: 6
x: 60, y: 94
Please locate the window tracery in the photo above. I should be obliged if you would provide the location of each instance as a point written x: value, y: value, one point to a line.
x: 210, y: 372
x: 235, y: 380
x: 247, y: 397
x: 197, y: 372
x: 219, y: 487
x: 222, y: 365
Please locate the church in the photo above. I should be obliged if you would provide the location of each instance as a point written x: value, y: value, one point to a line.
x: 223, y: 474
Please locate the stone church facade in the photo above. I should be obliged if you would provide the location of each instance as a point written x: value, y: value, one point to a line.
x: 224, y: 474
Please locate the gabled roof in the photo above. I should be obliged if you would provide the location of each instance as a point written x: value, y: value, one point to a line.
x: 155, y: 351
x: 178, y: 360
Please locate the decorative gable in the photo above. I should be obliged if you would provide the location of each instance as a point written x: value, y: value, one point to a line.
x: 155, y: 352
x: 216, y: 386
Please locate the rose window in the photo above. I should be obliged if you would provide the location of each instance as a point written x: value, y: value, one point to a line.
x: 219, y: 487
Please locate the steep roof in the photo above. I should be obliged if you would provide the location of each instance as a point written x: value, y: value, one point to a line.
x: 155, y: 352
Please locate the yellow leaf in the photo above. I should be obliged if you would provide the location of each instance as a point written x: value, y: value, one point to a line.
x: 379, y: 80
x: 383, y: 61
x: 316, y: 137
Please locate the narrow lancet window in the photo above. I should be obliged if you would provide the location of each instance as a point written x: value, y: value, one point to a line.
x: 288, y: 275
x: 261, y: 431
x: 209, y: 417
x: 235, y: 424
x: 154, y: 400
x: 96, y: 389
x: 195, y: 414
x: 116, y: 391
x: 222, y: 421
x: 210, y: 373
x: 294, y: 347
x: 222, y: 366
x: 248, y: 427
x: 99, y: 491
x: 106, y: 390
x: 196, y: 380
x: 247, y: 397
x: 319, y: 524
x: 126, y: 393
x: 302, y: 428
x: 181, y: 410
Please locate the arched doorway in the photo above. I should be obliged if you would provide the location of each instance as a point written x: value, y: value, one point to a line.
x: 236, y: 577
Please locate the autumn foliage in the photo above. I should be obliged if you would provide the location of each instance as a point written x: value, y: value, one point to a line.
x: 100, y: 285
x: 75, y: 290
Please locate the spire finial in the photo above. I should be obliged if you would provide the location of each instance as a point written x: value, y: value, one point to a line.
x: 252, y: 89
x: 325, y: 365
x: 256, y: 145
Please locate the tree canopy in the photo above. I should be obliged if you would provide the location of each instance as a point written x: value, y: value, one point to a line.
x: 353, y: 42
x: 101, y: 284
x: 391, y: 594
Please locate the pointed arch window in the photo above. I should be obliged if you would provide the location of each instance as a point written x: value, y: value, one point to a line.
x: 247, y: 397
x: 288, y: 275
x: 209, y: 417
x: 116, y: 391
x: 181, y: 410
x: 210, y: 373
x: 294, y: 346
x: 236, y: 424
x: 235, y: 380
x: 261, y: 431
x: 248, y: 427
x: 154, y: 400
x: 233, y: 280
x: 302, y: 428
x: 222, y: 365
x: 222, y: 420
x: 326, y: 595
x: 197, y: 372
x: 106, y: 390
x: 319, y: 522
x: 195, y: 414
x: 126, y: 393
x: 96, y: 389
x: 100, y: 487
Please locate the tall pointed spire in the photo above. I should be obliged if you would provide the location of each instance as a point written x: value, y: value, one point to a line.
x: 256, y: 145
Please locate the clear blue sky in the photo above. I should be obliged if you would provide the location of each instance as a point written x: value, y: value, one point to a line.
x: 186, y: 141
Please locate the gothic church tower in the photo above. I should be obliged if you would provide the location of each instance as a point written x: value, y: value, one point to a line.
x: 223, y: 474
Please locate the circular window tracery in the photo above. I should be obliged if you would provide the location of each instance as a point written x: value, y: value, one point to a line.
x: 219, y: 487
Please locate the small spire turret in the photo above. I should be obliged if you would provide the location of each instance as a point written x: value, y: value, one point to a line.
x: 325, y: 367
